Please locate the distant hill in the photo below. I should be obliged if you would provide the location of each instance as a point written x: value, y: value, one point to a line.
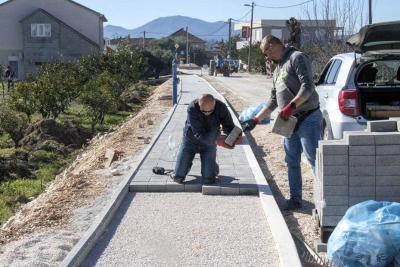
x: 165, y: 26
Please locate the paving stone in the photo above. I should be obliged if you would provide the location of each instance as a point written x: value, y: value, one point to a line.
x: 392, y: 138
x: 335, y: 210
x: 138, y: 187
x: 333, y: 147
x: 232, y: 189
x: 336, y: 180
x: 335, y: 170
x: 175, y: 187
x: 356, y: 200
x: 392, y: 160
x: 361, y: 150
x: 361, y: 181
x: 355, y: 161
x: 157, y: 187
x: 335, y: 160
x: 387, y: 180
x: 358, y: 138
x: 362, y: 191
x: 336, y: 200
x: 384, y: 170
x: 319, y: 246
x: 211, y: 189
x: 387, y: 150
x: 382, y: 126
x: 388, y: 191
x: 330, y: 220
x: 362, y: 171
x: 336, y: 190
x: 248, y: 189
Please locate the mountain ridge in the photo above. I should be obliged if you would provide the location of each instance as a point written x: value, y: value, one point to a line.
x: 165, y: 26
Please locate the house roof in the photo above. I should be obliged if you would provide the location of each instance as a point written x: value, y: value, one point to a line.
x: 59, y: 21
x: 101, y: 16
x: 191, y: 37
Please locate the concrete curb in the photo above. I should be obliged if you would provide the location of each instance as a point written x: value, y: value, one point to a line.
x: 284, y: 242
x: 80, y: 251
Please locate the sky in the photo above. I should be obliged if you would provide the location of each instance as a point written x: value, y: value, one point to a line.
x: 132, y: 14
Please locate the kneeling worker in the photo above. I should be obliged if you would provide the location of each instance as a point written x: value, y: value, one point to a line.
x: 201, y: 134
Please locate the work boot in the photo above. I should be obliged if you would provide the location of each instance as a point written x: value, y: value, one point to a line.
x: 292, y: 204
x: 209, y: 181
x: 176, y: 179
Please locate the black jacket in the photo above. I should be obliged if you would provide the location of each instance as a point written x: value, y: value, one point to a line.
x: 203, y: 129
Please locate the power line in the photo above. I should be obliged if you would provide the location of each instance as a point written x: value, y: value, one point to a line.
x: 284, y: 6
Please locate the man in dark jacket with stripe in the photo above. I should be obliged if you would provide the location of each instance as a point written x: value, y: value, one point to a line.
x: 201, y: 134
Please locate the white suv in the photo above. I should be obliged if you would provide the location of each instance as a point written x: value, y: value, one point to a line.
x: 365, y: 85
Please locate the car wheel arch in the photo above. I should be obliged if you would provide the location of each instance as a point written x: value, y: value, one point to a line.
x: 326, y: 128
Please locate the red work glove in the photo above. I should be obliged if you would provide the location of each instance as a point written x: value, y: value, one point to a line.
x: 239, y: 140
x: 285, y: 112
x: 221, y: 142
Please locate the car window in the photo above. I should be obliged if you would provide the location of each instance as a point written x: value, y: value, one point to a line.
x: 333, y: 72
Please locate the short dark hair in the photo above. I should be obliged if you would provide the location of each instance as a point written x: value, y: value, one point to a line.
x: 206, y: 98
x: 270, y: 39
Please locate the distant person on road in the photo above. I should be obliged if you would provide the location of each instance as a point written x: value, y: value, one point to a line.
x: 293, y: 94
x: 201, y: 134
x: 9, y: 75
x: 219, y: 62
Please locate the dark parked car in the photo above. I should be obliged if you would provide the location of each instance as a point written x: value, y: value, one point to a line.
x: 148, y: 71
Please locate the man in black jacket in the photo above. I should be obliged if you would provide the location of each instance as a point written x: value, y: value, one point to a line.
x: 201, y: 134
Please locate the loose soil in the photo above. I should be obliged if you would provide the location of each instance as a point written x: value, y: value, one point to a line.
x: 82, y: 182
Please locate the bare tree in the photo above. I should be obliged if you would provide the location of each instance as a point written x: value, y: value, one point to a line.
x: 329, y: 24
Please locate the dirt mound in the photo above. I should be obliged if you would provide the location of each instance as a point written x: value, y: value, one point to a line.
x: 49, y: 135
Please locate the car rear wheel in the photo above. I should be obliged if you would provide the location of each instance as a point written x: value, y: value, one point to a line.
x: 326, y: 133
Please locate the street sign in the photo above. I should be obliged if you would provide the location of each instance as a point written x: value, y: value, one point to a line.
x: 176, y: 46
x: 182, y: 58
x: 182, y: 52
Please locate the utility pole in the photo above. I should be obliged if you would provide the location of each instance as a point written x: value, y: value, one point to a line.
x: 251, y: 35
x: 144, y: 37
x: 230, y: 42
x: 370, y: 12
x: 187, y: 45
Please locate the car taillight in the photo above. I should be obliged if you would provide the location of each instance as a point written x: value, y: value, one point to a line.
x: 348, y: 102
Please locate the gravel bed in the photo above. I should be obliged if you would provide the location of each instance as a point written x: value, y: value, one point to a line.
x: 186, y: 229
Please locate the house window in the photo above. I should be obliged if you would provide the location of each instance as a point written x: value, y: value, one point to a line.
x: 40, y: 30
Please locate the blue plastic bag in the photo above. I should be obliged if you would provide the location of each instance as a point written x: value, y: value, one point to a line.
x: 252, y: 111
x: 368, y: 235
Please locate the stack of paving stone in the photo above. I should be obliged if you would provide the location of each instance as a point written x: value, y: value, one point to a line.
x: 363, y: 166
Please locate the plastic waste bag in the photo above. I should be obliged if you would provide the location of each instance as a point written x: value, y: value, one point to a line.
x: 252, y: 111
x: 367, y: 235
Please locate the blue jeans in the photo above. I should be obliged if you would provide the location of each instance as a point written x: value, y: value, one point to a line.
x: 187, y: 151
x: 305, y: 139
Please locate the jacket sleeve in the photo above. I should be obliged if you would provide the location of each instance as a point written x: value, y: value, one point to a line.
x: 197, y: 128
x: 302, y: 66
x: 272, y: 103
x: 226, y: 120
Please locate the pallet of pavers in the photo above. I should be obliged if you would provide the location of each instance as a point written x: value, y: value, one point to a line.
x: 364, y: 165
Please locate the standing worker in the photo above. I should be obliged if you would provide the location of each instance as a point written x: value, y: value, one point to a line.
x: 9, y: 75
x: 293, y: 94
x: 201, y: 134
